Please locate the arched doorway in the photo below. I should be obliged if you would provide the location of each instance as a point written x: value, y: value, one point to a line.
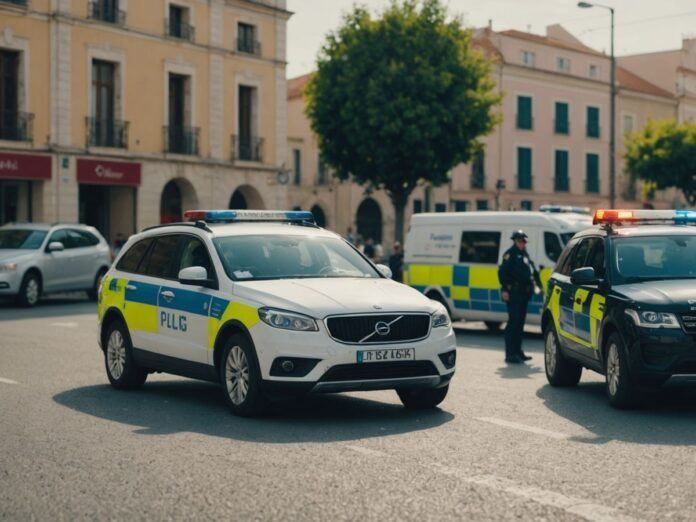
x: 369, y: 220
x: 319, y: 216
x: 246, y: 197
x: 178, y: 195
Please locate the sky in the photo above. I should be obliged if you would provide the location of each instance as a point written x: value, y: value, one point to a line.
x: 641, y: 25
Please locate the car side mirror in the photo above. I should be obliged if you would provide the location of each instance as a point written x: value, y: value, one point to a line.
x: 584, y: 276
x: 385, y: 271
x: 196, y: 276
x: 55, y: 246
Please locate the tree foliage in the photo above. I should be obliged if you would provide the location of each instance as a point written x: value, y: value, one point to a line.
x: 400, y: 98
x: 663, y: 155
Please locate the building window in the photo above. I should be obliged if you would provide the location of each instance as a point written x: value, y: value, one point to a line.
x: 478, y: 171
x: 593, y: 71
x: 297, y: 166
x: 178, y: 24
x: 524, y: 168
x: 106, y: 11
x: 593, y: 122
x: 103, y: 129
x: 563, y: 64
x: 246, y: 39
x: 561, y: 125
x: 525, y: 205
x: 180, y: 136
x: 461, y: 206
x: 524, y: 112
x: 247, y: 146
x: 561, y: 171
x: 321, y: 171
x: 629, y: 123
x: 440, y: 207
x: 528, y: 58
x: 592, y: 173
x: 417, y: 206
x: 14, y: 125
x: 481, y: 204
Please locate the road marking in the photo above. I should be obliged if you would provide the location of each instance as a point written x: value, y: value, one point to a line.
x: 523, y: 427
x: 8, y: 381
x: 576, y: 506
x: 69, y: 324
x: 367, y: 451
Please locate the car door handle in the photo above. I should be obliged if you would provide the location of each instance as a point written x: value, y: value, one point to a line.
x: 168, y: 295
x: 131, y: 287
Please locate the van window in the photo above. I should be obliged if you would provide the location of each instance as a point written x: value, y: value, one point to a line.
x: 552, y: 246
x: 480, y: 247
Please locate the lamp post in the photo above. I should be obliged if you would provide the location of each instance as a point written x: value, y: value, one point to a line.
x: 612, y: 107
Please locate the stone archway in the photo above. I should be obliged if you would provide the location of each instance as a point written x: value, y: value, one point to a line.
x: 246, y: 197
x: 369, y: 220
x: 178, y: 195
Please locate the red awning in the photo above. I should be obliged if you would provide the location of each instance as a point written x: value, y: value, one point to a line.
x: 24, y: 166
x: 99, y: 172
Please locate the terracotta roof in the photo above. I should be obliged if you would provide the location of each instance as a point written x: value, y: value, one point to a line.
x: 627, y: 80
x: 547, y: 40
x: 484, y: 44
x: 297, y: 85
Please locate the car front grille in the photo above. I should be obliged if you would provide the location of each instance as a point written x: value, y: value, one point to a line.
x: 377, y: 371
x: 363, y: 329
x: 689, y: 322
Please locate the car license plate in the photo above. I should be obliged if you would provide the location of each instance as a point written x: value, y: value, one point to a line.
x: 388, y: 354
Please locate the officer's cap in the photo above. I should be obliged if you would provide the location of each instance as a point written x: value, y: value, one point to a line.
x: 518, y: 234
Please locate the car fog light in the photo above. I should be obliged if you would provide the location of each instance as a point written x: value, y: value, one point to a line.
x: 287, y: 366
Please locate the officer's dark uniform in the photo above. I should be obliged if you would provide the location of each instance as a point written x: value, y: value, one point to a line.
x: 518, y: 276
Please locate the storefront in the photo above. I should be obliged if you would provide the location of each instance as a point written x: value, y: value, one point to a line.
x: 21, y: 180
x: 108, y: 192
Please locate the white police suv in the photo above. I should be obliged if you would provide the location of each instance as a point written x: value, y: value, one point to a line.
x: 268, y: 304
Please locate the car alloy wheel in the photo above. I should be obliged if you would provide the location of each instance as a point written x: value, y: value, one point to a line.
x: 551, y: 352
x: 613, y: 369
x: 116, y: 354
x: 237, y: 375
x: 31, y: 291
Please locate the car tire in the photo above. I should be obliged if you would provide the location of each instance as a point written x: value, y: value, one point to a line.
x: 560, y: 371
x: 30, y: 290
x: 621, y: 391
x: 240, y: 378
x: 493, y: 326
x: 93, y: 292
x: 123, y: 371
x: 422, y: 398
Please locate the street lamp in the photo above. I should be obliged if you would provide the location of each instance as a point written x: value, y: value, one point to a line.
x: 612, y: 107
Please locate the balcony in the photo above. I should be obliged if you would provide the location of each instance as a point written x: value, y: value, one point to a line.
x: 16, y: 126
x: 106, y: 12
x: 181, y: 140
x: 247, y: 148
x: 182, y: 30
x: 248, y: 45
x: 107, y: 133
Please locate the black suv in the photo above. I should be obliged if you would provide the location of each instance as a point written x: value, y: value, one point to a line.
x: 622, y: 302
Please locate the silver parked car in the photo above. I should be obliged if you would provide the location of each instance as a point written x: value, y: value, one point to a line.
x: 37, y: 259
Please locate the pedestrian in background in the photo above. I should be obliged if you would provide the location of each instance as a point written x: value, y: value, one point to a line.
x: 519, y: 280
x: 349, y: 236
x: 369, y: 248
x: 396, y: 263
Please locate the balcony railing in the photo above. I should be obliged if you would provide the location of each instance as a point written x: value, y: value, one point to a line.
x: 248, y: 45
x: 21, y: 3
x: 182, y: 30
x: 106, y: 12
x: 247, y: 148
x: 16, y: 126
x: 103, y: 132
x: 181, y: 140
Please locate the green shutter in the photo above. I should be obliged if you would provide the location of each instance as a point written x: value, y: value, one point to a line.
x: 524, y: 168
x: 561, y: 125
x: 561, y: 171
x: 592, y: 172
x: 524, y: 112
x: 592, y: 122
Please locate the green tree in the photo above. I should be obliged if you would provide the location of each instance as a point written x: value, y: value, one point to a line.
x: 663, y: 155
x: 400, y: 98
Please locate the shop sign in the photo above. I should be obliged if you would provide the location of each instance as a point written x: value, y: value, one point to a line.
x: 98, y: 172
x: 24, y: 166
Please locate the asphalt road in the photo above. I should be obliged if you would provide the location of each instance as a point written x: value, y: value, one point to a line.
x: 504, y: 445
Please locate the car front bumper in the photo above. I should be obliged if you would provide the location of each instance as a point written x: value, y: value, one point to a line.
x: 658, y: 354
x: 10, y: 282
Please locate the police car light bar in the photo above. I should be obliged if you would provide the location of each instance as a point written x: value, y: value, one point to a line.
x: 680, y: 217
x: 231, y: 216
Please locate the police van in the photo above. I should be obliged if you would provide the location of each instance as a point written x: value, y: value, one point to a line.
x: 454, y: 257
x: 622, y: 302
x: 268, y: 304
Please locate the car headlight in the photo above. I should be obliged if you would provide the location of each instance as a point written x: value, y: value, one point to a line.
x: 287, y: 320
x: 650, y: 319
x: 8, y: 267
x: 440, y: 318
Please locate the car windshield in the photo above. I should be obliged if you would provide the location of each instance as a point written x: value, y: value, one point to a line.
x: 21, y: 239
x: 249, y: 258
x: 656, y: 257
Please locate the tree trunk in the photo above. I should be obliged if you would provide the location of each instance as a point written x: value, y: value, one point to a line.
x: 399, y: 201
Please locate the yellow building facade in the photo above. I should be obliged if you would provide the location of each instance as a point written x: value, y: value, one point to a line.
x: 123, y: 113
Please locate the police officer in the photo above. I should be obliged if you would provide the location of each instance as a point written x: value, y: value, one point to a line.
x: 519, y: 280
